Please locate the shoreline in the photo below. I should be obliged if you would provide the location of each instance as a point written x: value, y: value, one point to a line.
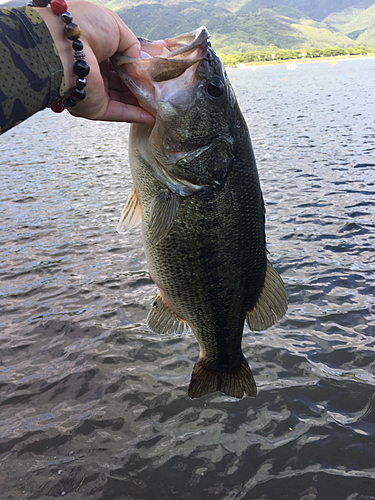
x: 285, y: 62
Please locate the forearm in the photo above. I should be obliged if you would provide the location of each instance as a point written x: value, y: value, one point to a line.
x: 31, y: 73
x: 39, y: 62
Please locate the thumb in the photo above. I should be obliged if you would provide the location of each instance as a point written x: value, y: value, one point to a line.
x: 129, y: 44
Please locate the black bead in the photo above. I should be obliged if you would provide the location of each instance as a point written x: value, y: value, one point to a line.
x: 70, y: 102
x: 81, y: 68
x: 77, y: 45
x: 40, y: 3
x: 67, y: 17
x: 81, y: 83
x: 78, y: 93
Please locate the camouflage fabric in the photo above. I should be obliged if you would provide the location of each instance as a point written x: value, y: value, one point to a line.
x: 31, y: 72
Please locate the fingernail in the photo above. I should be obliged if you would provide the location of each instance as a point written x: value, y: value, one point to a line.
x: 134, y: 51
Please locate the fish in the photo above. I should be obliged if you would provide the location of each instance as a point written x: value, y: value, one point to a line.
x: 198, y: 197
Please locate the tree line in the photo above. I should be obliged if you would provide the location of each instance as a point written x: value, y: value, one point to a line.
x: 275, y: 54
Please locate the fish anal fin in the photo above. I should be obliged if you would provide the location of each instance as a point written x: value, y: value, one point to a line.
x: 163, y: 211
x: 131, y: 214
x: 235, y: 383
x: 271, y: 304
x: 161, y: 318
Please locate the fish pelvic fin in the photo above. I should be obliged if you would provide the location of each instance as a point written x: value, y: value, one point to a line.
x: 235, y: 383
x: 271, y: 304
x: 131, y: 214
x: 161, y: 318
x: 163, y: 211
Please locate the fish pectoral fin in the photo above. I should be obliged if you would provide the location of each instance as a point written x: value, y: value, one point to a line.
x: 163, y: 211
x: 235, y: 383
x: 131, y: 214
x: 271, y: 304
x: 161, y: 318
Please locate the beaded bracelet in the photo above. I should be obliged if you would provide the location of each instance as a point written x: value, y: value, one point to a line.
x: 81, y: 69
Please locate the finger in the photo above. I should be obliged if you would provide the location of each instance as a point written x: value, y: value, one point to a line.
x: 118, y: 111
x: 104, y: 71
x: 126, y: 97
x: 115, y: 82
x: 128, y: 44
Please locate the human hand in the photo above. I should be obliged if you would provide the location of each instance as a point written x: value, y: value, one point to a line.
x: 102, y: 33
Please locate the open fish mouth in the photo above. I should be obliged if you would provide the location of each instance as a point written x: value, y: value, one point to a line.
x: 162, y: 61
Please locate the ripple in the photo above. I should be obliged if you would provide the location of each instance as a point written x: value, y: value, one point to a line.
x: 94, y: 405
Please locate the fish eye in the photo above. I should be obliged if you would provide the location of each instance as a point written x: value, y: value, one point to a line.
x: 216, y: 87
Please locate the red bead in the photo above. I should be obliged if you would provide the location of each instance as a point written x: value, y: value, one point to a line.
x: 59, y: 7
x: 56, y: 107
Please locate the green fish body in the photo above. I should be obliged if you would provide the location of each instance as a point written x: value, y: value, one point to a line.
x: 197, y: 193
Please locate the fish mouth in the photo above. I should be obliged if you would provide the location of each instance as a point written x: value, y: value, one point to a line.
x: 153, y: 75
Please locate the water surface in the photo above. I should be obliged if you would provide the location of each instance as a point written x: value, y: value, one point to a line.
x: 95, y: 406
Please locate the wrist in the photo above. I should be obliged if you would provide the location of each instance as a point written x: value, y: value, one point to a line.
x: 63, y: 45
x: 71, y: 32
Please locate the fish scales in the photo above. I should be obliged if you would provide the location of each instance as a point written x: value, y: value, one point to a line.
x: 220, y: 255
x: 202, y: 219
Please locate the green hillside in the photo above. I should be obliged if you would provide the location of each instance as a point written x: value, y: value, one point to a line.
x: 356, y: 23
x: 282, y: 26
x: 315, y: 9
x: 242, y: 25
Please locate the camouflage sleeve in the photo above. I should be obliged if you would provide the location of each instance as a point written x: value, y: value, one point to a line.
x: 31, y: 72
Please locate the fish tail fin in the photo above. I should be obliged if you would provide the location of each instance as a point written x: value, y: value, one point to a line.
x: 234, y: 383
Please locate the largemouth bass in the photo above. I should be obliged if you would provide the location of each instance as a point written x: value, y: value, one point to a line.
x: 197, y: 192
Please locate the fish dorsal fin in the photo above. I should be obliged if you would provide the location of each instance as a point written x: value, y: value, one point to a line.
x: 272, y: 302
x: 131, y: 214
x: 163, y: 211
x: 161, y: 318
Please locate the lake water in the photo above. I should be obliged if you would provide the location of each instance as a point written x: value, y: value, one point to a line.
x: 92, y: 405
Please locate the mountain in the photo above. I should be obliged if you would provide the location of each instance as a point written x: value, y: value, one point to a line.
x: 355, y: 22
x: 317, y: 10
x: 237, y: 26
x: 241, y: 25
